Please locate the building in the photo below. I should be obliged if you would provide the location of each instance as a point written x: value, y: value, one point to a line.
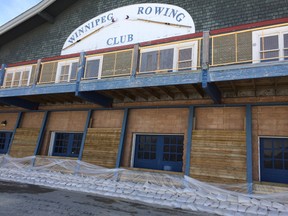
x: 197, y: 87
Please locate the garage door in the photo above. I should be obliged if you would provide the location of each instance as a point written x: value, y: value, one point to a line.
x: 274, y: 159
x: 159, y: 152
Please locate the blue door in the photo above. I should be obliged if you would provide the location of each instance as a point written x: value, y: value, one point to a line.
x: 5, y: 138
x: 274, y: 159
x: 160, y: 152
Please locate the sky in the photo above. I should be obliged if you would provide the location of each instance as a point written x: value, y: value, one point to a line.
x: 12, y: 8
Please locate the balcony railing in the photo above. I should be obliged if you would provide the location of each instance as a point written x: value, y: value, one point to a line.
x: 242, y: 47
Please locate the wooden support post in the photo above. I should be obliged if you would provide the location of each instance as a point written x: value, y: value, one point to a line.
x: 249, y: 158
x: 2, y: 74
x: 122, y: 137
x: 37, y: 73
x: 189, y: 140
x: 41, y: 133
x: 18, y: 121
x: 205, y: 50
x: 90, y: 112
x: 135, y: 64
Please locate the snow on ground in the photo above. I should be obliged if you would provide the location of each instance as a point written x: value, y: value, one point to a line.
x: 155, y: 188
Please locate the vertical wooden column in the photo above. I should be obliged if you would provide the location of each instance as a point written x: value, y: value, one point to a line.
x: 37, y: 73
x: 85, y: 134
x: 2, y: 73
x: 189, y: 140
x: 18, y: 121
x: 122, y: 137
x: 249, y: 158
x: 135, y: 64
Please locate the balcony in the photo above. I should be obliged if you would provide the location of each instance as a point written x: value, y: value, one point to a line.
x: 197, y: 66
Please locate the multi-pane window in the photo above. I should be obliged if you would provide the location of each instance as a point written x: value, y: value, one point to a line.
x: 147, y: 147
x: 285, y: 38
x: 269, y: 48
x: 67, y: 71
x: 173, y: 148
x: 185, y: 59
x: 93, y: 67
x: 5, y: 138
x: 18, y: 76
x: 161, y: 61
x: 67, y: 144
x: 274, y: 159
x: 270, y: 44
x: 169, y: 58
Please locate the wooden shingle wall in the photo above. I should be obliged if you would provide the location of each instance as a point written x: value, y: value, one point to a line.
x: 24, y: 142
x: 101, y: 146
x: 218, y: 156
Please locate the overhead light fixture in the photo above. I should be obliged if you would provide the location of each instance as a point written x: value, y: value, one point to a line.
x: 3, y: 123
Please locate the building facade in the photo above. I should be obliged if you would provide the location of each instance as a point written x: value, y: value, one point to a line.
x: 194, y: 87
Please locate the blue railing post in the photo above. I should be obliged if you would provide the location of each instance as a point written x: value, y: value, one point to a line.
x: 80, y: 71
x: 2, y: 73
x: 85, y: 134
x: 18, y: 121
x: 249, y: 158
x: 122, y: 137
x: 189, y: 140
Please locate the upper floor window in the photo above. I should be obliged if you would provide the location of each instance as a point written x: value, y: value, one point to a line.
x: 270, y: 44
x: 17, y: 76
x: 93, y: 67
x: 67, y: 71
x: 177, y: 57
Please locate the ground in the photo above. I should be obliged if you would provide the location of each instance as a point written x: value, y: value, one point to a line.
x: 23, y: 199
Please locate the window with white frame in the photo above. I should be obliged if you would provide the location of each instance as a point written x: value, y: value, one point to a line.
x: 176, y: 57
x: 93, y: 67
x: 67, y: 71
x: 270, y: 44
x: 17, y: 76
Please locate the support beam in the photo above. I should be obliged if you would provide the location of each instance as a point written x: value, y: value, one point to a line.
x: 189, y: 140
x: 234, y: 88
x: 135, y: 64
x: 182, y: 90
x: 96, y: 98
x: 167, y: 92
x: 90, y: 112
x: 46, y: 16
x: 153, y: 93
x: 122, y: 137
x: 140, y: 94
x: 2, y: 74
x: 37, y: 72
x: 210, y: 88
x: 41, y: 133
x: 19, y: 102
x: 249, y: 157
x: 18, y: 121
x: 126, y: 93
x: 198, y: 89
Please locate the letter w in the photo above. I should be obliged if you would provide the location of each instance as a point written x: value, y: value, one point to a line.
x: 158, y: 10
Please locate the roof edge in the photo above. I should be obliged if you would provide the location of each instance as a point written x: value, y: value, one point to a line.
x: 25, y: 15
